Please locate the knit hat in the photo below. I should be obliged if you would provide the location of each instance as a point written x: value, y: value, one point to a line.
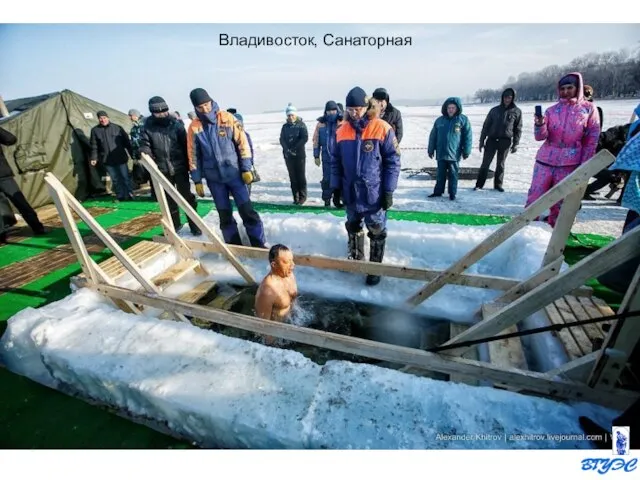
x: 158, y: 105
x: 357, y: 98
x: 569, y: 80
x: 330, y: 105
x: 102, y: 113
x: 381, y: 94
x: 291, y: 109
x: 135, y: 112
x: 232, y: 111
x: 199, y: 96
x: 239, y: 117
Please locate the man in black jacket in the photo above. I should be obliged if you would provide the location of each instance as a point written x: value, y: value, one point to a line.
x: 501, y: 130
x: 612, y: 139
x: 10, y: 188
x: 164, y: 139
x: 109, y: 147
x: 293, y: 137
x: 388, y: 112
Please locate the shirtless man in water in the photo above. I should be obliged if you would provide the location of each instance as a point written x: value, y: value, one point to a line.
x: 278, y: 289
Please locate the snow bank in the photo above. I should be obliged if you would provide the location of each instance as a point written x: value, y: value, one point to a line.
x: 225, y: 392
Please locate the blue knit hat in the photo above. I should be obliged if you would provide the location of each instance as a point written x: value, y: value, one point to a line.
x: 239, y: 117
x: 356, y: 98
x: 291, y: 109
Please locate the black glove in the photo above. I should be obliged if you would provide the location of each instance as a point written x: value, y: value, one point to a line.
x: 387, y: 201
x: 464, y: 157
x: 514, y: 149
x: 431, y: 156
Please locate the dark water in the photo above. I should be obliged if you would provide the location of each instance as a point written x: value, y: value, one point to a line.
x: 346, y: 317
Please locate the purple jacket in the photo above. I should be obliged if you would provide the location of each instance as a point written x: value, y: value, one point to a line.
x: 570, y: 131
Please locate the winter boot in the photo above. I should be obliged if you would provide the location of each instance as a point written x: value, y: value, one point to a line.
x: 336, y: 199
x: 376, y: 254
x: 356, y: 245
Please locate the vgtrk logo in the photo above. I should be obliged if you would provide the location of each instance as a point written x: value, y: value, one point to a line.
x: 620, y: 446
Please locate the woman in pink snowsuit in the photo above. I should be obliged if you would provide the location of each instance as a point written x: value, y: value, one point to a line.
x: 570, y: 130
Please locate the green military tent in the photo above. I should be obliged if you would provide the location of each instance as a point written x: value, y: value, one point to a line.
x: 53, y: 132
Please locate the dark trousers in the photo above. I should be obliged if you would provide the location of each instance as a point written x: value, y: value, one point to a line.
x: 121, y: 181
x: 326, y: 178
x: 603, y: 178
x: 296, y: 167
x: 447, y: 171
x: 501, y: 147
x: 10, y: 188
x: 180, y: 180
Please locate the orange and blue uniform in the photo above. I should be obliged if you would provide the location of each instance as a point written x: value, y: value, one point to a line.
x: 218, y: 151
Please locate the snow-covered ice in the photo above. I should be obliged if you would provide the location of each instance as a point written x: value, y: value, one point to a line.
x: 225, y: 392
x: 228, y: 392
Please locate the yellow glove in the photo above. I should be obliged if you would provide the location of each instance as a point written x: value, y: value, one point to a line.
x: 247, y: 177
x: 318, y: 161
x: 200, y: 190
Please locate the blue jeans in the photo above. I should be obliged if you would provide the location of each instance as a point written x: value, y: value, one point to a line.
x: 121, y: 182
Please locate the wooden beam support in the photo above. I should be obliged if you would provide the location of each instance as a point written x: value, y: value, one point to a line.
x: 576, y: 370
x: 579, y: 177
x: 364, y: 267
x: 564, y: 222
x: 165, y: 185
x: 525, y: 380
x: 622, y: 338
x: 538, y: 278
x: 599, y: 262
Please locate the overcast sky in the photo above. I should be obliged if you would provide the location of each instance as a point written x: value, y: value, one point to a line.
x: 124, y: 65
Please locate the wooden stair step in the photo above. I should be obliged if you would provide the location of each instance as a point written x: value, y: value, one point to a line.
x: 506, y: 353
x: 198, y: 292
x: 175, y: 273
x: 141, y: 254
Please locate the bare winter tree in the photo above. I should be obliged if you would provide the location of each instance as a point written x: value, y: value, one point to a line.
x: 611, y: 74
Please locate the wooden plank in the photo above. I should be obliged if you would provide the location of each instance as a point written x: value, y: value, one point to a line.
x: 570, y: 344
x: 198, y: 292
x: 620, y: 341
x: 599, y: 262
x: 545, y: 273
x: 576, y: 370
x: 594, y: 312
x: 584, y: 344
x: 156, y: 175
x: 472, y: 354
x: 530, y: 381
x: 572, y: 182
x: 564, y: 222
x: 508, y: 352
x: 174, y: 273
x: 142, y: 254
x: 594, y: 333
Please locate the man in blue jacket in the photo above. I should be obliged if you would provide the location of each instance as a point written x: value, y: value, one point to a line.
x: 365, y: 166
x: 218, y: 150
x: 449, y: 140
x: 323, y: 136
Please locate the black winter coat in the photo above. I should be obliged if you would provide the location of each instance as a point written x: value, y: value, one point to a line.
x: 110, y: 144
x: 293, y: 138
x: 6, y: 139
x: 393, y: 117
x: 613, y: 139
x: 503, y: 122
x: 165, y: 140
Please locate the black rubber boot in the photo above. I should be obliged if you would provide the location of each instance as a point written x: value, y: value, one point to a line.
x: 376, y: 254
x: 356, y: 245
x: 336, y: 199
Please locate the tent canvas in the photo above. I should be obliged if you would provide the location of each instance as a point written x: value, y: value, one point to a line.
x: 53, y: 132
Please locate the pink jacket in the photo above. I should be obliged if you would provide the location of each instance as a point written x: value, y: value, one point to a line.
x: 570, y: 131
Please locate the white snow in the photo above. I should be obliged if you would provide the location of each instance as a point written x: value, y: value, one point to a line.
x: 227, y: 392
x: 224, y: 392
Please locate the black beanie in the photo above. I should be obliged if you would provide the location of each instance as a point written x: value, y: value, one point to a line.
x: 158, y: 105
x: 381, y: 94
x: 232, y: 111
x: 356, y: 98
x: 330, y: 105
x: 199, y: 96
x: 102, y: 113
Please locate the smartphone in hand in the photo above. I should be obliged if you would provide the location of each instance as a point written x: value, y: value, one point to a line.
x: 538, y: 111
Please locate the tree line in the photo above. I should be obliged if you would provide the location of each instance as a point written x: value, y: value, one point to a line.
x: 611, y: 74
